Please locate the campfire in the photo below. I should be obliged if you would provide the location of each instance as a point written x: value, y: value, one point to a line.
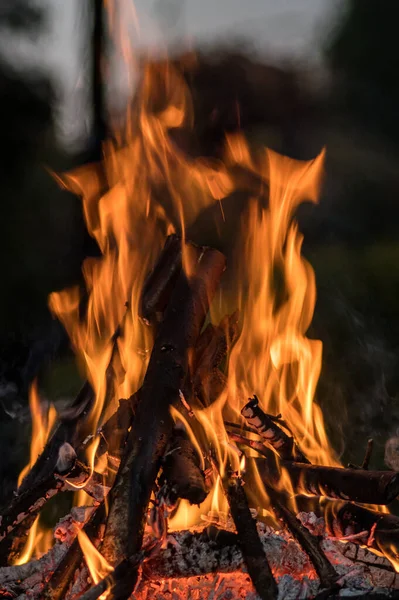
x: 197, y: 453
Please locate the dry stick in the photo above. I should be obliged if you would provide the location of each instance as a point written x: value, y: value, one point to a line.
x: 308, y: 542
x: 367, y: 457
x: 248, y: 538
x: 62, y: 577
x: 165, y: 377
x: 271, y: 432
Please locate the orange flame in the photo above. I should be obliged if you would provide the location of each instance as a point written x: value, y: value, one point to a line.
x: 96, y: 563
x: 41, y: 428
x: 39, y: 541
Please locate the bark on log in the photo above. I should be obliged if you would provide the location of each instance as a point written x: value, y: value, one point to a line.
x: 248, y: 539
x: 167, y: 370
x: 357, y: 485
x: 269, y: 429
x: 160, y: 282
x: 181, y: 470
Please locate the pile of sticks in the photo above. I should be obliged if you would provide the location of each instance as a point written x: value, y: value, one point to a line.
x: 153, y: 463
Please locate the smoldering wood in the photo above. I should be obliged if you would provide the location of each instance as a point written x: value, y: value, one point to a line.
x: 308, y: 542
x: 248, y: 539
x: 269, y: 429
x: 181, y: 470
x: 30, y: 503
x: 365, y: 526
x: 357, y: 485
x: 67, y: 430
x: 160, y: 282
x: 167, y: 370
x: 62, y: 577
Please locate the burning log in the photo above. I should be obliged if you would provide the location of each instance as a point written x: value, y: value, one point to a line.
x: 165, y: 377
x: 62, y: 576
x: 160, y: 282
x: 248, y: 539
x: 69, y: 474
x: 357, y: 485
x: 364, y: 526
x: 309, y: 543
x: 66, y: 431
x: 181, y: 471
x: 270, y: 430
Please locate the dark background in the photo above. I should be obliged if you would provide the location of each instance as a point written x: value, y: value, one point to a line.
x: 351, y: 237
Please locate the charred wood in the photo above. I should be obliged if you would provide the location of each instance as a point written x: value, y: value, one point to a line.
x: 181, y: 470
x: 248, y: 539
x: 272, y: 432
x: 364, y: 526
x: 28, y: 505
x: 308, y: 542
x: 166, y: 374
x: 357, y: 485
x: 66, y: 431
x: 160, y: 282
x: 62, y: 577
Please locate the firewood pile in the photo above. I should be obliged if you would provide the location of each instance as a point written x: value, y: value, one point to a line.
x: 154, y: 460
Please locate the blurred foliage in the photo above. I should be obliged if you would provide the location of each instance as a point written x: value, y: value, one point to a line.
x: 363, y: 50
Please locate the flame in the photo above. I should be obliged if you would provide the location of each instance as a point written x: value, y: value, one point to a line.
x: 38, y: 542
x: 146, y: 188
x: 96, y: 563
x: 42, y: 425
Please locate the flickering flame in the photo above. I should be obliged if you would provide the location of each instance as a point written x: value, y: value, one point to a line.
x: 96, y: 563
x: 147, y: 188
x: 38, y: 542
x: 41, y: 428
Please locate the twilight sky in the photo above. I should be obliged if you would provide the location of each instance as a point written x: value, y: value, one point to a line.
x: 278, y: 28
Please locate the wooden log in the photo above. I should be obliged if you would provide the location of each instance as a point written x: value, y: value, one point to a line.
x: 160, y: 282
x: 62, y: 577
x: 357, y: 485
x: 181, y: 470
x: 67, y: 430
x: 309, y: 543
x: 166, y: 374
x: 364, y: 526
x: 270, y: 430
x: 248, y: 538
x: 27, y: 505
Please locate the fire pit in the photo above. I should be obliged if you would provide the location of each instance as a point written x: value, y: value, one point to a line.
x: 197, y: 452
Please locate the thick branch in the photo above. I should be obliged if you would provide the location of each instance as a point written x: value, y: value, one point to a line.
x: 165, y: 377
x: 357, y: 485
x: 248, y: 538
